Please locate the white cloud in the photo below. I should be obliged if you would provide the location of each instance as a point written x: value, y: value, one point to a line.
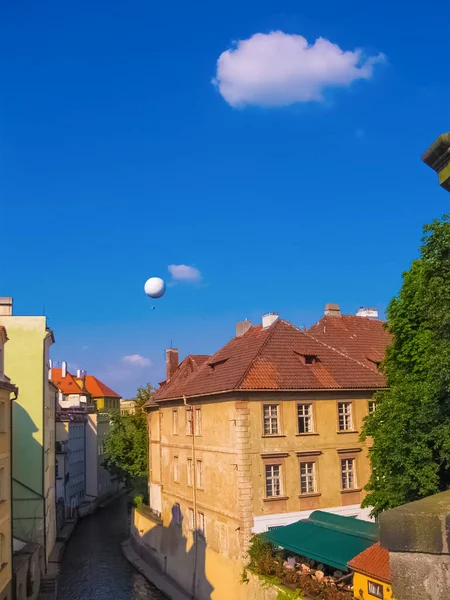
x: 137, y: 360
x: 185, y: 273
x: 278, y: 69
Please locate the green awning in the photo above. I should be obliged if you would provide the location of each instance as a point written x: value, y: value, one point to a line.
x: 326, y: 538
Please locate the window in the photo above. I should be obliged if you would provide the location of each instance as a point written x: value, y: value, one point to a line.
x: 176, y: 513
x: 345, y: 416
x: 271, y: 421
x: 2, y: 417
x: 372, y: 406
x: 273, y: 481
x: 308, y: 478
x: 189, y: 471
x: 201, y: 523
x: 189, y: 424
x: 348, y: 473
x: 375, y: 589
x: 176, y: 473
x: 56, y: 468
x: 191, y: 519
x: 305, y: 418
x: 198, y: 421
x: 199, y: 474
x: 175, y: 422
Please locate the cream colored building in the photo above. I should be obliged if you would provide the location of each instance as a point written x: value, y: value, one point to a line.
x: 254, y: 437
x: 8, y: 392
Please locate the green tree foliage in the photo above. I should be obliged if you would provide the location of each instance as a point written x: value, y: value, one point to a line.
x: 144, y: 394
x: 411, y: 425
x: 126, y: 445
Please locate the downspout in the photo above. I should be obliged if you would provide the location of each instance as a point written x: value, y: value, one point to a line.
x: 194, y: 498
x: 13, y: 578
x: 44, y: 501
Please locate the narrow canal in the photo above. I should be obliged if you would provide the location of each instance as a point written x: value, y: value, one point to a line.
x: 93, y: 567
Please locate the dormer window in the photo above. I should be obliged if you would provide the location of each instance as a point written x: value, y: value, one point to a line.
x: 310, y: 359
x: 213, y: 365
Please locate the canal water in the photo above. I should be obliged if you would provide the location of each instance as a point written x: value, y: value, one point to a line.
x: 93, y: 567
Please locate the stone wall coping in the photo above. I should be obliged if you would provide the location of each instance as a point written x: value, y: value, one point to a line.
x: 422, y: 526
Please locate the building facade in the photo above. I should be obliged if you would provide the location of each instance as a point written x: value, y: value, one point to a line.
x: 27, y: 362
x: 257, y: 436
x: 8, y: 392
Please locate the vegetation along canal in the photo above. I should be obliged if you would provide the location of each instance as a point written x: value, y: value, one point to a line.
x: 93, y: 566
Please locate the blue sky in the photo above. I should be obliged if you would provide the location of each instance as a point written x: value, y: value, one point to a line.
x: 119, y: 157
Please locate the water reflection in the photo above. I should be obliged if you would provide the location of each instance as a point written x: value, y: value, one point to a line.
x: 93, y: 566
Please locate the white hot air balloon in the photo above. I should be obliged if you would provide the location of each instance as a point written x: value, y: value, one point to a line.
x: 155, y: 287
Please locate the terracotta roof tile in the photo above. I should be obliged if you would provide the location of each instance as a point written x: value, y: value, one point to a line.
x: 98, y: 389
x: 373, y: 562
x: 67, y: 384
x: 270, y: 359
x: 360, y: 338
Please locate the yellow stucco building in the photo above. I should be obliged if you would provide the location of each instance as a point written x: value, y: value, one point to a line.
x: 372, y: 574
x: 8, y: 392
x: 254, y: 437
x: 33, y: 479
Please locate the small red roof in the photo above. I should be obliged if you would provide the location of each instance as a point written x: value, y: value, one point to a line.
x: 273, y: 358
x: 373, y: 562
x: 67, y: 384
x: 98, y: 389
x: 360, y: 338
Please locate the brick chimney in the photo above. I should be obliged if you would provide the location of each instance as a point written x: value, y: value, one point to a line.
x: 6, y: 306
x: 332, y: 310
x: 242, y: 327
x: 171, y: 362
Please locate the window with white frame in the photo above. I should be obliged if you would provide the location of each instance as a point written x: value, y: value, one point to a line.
x: 199, y: 481
x: 191, y: 519
x: 345, y: 420
x: 189, y: 423
x: 305, y: 418
x: 175, y: 421
x: 271, y: 419
x: 372, y: 407
x: 308, y: 484
x: 189, y: 471
x: 273, y: 481
x: 201, y: 524
x: 348, y: 475
x: 198, y: 421
x: 176, y: 472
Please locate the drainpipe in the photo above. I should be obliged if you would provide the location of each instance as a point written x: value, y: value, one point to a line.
x: 13, y: 578
x: 194, y: 497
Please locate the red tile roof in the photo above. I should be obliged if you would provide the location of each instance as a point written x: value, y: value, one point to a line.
x: 360, y: 338
x: 271, y: 359
x: 373, y: 562
x: 98, y: 389
x: 67, y: 384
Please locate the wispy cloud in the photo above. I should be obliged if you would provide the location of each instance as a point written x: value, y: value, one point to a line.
x: 137, y: 360
x: 278, y: 69
x: 185, y: 273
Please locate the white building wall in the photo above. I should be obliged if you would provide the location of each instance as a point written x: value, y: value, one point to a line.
x: 266, y: 522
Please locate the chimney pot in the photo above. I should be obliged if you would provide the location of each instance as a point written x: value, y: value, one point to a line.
x: 242, y: 327
x: 332, y: 310
x: 6, y: 306
x: 268, y: 319
x: 64, y: 369
x: 171, y: 362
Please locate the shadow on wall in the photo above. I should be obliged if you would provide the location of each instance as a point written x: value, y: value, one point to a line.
x: 28, y: 503
x: 180, y: 558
